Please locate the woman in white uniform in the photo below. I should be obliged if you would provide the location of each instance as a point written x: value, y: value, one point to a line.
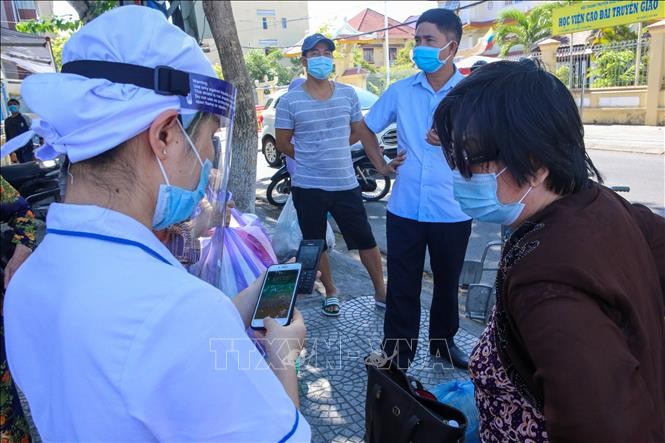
x: 107, y: 335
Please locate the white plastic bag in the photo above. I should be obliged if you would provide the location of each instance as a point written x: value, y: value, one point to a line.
x: 287, y: 236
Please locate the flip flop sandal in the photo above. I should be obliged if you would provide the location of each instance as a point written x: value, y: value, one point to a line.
x: 380, y: 304
x: 330, y: 301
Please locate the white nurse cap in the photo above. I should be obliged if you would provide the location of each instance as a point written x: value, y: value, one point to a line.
x: 84, y: 117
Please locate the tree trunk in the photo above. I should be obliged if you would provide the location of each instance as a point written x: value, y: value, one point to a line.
x: 242, y: 181
x: 83, y: 9
x: 89, y: 9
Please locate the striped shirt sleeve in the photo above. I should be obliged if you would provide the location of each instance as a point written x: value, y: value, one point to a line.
x: 284, y: 118
x: 356, y: 114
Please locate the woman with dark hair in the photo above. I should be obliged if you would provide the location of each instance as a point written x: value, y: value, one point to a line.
x: 575, y: 348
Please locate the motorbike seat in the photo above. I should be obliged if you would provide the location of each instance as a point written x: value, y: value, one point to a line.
x: 20, y: 173
x: 357, y: 153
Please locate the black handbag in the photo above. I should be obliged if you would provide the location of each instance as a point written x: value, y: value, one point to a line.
x: 397, y: 409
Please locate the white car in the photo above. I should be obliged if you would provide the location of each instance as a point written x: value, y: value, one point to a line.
x: 387, y: 137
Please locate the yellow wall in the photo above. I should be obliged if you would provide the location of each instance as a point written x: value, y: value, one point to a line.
x: 358, y: 80
x: 622, y: 105
x: 344, y: 60
x: 642, y: 105
x: 379, y: 53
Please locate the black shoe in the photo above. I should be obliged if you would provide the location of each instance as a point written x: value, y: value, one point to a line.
x: 458, y: 358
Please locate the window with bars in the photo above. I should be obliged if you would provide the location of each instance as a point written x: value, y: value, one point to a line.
x: 368, y: 55
x: 24, y: 4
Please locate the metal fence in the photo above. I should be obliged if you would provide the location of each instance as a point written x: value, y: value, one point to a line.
x: 622, y: 63
x: 518, y: 57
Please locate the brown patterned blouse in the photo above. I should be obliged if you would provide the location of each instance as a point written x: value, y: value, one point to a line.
x: 575, y: 349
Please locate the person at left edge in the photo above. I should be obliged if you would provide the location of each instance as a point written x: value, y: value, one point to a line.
x: 15, y: 125
x: 108, y: 336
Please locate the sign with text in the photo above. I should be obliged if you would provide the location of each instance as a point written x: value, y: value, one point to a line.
x: 586, y: 15
x: 209, y: 94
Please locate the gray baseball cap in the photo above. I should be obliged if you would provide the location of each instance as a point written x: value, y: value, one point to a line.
x: 314, y: 40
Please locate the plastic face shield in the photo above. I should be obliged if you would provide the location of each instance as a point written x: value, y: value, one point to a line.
x: 207, y: 116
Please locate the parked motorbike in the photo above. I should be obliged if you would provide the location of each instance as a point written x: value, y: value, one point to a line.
x: 373, y: 185
x: 37, y: 182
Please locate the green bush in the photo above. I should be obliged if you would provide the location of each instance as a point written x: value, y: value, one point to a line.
x: 563, y: 74
x: 615, y: 68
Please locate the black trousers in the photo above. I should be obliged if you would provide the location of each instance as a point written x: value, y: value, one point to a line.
x: 407, y: 240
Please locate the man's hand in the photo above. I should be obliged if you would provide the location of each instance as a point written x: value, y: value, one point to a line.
x: 432, y: 137
x: 283, y: 142
x: 391, y: 168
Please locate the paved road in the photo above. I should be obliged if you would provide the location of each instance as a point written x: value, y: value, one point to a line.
x: 636, y: 139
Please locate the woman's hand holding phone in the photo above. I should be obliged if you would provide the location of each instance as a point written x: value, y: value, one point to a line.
x: 283, y: 343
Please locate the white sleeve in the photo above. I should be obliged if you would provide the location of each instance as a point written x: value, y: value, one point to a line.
x: 194, y: 375
x: 384, y: 111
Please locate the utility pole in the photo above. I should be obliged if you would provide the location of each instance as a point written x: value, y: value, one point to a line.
x: 638, y: 54
x: 386, y: 47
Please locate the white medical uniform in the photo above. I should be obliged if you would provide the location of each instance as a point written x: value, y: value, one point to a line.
x: 111, y: 339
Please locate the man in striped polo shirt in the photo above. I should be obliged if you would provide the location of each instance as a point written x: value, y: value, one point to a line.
x: 322, y: 116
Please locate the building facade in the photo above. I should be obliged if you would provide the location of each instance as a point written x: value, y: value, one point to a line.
x: 372, y: 45
x: 260, y: 25
x: 479, y: 18
x: 15, y: 11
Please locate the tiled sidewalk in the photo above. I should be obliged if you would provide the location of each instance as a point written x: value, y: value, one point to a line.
x: 332, y: 375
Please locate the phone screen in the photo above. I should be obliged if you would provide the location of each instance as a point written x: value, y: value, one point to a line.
x: 275, y: 298
x: 308, y: 256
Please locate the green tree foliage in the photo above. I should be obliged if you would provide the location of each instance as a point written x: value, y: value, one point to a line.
x: 325, y: 29
x: 614, y: 34
x: 258, y: 65
x: 218, y: 71
x: 63, y: 28
x: 403, y: 57
x: 53, y: 25
x: 56, y: 46
x: 402, y: 68
x: 563, y: 74
x: 614, y: 63
x: 515, y: 27
x: 359, y: 61
x: 616, y: 68
x: 273, y: 65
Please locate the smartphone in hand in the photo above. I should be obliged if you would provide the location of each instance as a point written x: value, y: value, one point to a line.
x: 278, y: 295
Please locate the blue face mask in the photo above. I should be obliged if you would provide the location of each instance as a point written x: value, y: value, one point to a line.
x: 175, y: 204
x: 478, y: 199
x: 319, y: 67
x: 13, y: 108
x: 427, y: 58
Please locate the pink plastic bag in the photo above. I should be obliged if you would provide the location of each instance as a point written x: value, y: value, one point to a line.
x: 246, y: 253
